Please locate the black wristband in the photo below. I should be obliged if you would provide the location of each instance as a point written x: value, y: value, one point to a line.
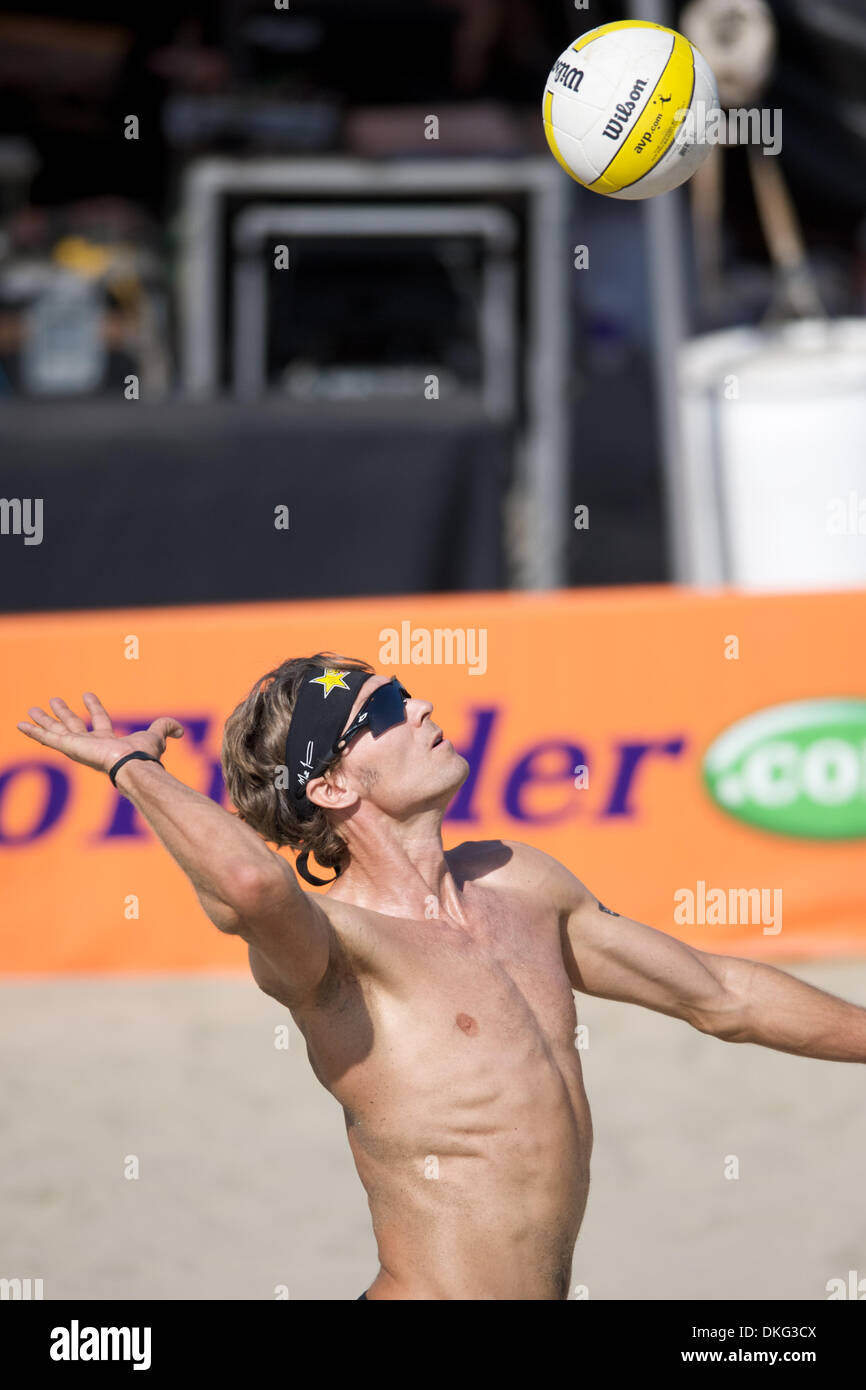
x: 147, y: 757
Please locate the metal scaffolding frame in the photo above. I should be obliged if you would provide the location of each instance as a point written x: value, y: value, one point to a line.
x: 543, y: 454
x: 498, y: 308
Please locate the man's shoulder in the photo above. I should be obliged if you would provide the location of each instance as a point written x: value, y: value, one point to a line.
x: 511, y: 863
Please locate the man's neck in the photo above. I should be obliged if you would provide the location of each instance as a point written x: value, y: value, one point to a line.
x: 401, y: 870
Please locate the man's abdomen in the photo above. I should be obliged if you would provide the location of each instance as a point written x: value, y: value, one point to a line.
x: 478, y: 1171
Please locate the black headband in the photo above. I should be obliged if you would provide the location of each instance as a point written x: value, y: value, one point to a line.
x: 322, y: 709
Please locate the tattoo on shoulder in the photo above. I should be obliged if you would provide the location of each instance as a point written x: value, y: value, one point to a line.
x: 609, y: 910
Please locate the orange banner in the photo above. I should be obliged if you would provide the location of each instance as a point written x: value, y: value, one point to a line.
x: 699, y: 761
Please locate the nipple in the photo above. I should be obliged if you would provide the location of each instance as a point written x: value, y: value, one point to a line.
x: 467, y: 1023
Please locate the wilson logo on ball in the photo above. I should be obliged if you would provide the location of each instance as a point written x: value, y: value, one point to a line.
x: 569, y: 77
x: 616, y: 125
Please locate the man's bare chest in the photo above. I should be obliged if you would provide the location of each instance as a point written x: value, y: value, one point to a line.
x: 422, y: 985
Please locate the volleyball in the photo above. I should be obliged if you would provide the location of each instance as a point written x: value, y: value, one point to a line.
x: 627, y: 108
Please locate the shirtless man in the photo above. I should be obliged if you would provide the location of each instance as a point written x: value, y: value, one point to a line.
x: 433, y: 988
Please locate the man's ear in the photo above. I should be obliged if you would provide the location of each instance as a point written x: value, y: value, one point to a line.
x: 330, y: 792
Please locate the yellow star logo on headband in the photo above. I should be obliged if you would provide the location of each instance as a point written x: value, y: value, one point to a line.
x: 330, y: 679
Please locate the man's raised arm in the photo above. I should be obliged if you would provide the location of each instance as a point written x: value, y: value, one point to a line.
x: 244, y: 887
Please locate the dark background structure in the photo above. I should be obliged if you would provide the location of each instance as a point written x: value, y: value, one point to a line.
x: 328, y: 79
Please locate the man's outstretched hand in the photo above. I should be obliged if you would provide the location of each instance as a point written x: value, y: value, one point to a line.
x: 99, y: 747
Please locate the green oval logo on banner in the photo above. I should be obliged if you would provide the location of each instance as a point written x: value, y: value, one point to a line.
x: 797, y: 769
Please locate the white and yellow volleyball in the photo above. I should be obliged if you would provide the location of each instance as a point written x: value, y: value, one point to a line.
x: 627, y: 107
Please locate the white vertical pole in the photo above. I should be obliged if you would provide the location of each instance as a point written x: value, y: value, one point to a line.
x: 665, y: 252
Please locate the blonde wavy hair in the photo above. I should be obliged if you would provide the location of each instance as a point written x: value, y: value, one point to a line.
x: 254, y: 751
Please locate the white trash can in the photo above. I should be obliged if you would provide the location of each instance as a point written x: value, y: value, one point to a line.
x: 773, y: 487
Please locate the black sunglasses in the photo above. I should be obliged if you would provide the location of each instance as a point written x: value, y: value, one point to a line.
x: 384, y: 709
